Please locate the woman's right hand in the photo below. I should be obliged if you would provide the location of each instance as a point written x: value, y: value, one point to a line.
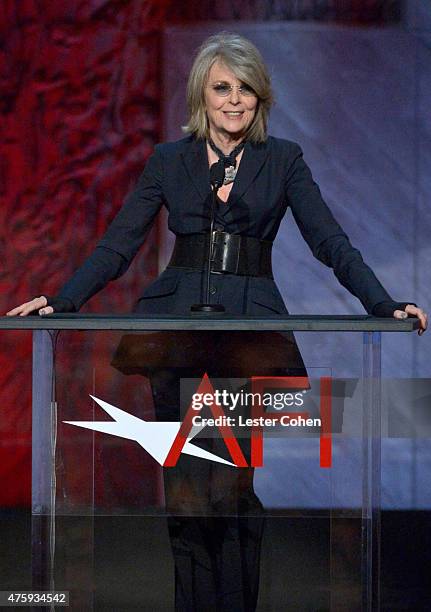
x: 39, y: 304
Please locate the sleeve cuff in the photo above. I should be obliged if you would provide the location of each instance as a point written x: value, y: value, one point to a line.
x: 387, y: 308
x: 60, y: 304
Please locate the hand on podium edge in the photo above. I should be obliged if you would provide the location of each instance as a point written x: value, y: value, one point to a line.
x: 401, y: 310
x: 411, y: 310
x: 43, y: 305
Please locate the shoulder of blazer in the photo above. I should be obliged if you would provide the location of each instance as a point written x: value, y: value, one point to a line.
x: 172, y: 149
x: 282, y: 145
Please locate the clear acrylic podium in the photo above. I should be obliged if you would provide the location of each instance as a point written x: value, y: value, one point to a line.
x: 320, y: 554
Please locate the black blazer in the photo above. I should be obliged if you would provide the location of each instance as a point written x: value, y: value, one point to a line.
x: 271, y: 177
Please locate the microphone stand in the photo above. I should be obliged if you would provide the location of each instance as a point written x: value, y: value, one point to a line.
x: 217, y: 172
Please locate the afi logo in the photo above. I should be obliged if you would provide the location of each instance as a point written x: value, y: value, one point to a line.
x: 165, y: 441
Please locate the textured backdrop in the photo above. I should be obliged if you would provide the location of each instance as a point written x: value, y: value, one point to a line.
x: 80, y: 100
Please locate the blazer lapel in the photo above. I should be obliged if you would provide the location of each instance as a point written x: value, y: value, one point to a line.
x: 196, y: 162
x: 252, y: 160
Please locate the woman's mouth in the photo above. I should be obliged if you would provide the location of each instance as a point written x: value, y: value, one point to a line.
x: 233, y: 114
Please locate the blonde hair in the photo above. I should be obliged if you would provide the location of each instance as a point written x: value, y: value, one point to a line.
x: 245, y: 61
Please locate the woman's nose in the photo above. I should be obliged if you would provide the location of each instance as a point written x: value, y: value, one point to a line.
x: 234, y: 95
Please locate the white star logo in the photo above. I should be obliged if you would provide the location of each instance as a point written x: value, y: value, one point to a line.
x: 155, y: 437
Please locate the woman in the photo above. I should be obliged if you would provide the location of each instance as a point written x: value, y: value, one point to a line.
x: 229, y: 98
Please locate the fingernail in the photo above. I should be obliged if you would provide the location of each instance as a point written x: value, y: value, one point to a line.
x: 404, y: 315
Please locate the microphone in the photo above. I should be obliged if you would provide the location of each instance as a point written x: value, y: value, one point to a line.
x: 217, y: 172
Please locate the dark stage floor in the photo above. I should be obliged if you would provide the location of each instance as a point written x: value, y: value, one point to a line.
x: 131, y: 568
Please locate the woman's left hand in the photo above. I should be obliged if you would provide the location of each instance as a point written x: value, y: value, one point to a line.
x: 413, y: 311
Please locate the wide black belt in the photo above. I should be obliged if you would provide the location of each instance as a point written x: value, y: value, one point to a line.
x: 232, y: 254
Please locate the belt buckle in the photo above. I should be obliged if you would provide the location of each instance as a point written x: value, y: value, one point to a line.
x: 225, y: 252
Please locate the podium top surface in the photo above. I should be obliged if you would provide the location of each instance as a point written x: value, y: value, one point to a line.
x: 197, y: 322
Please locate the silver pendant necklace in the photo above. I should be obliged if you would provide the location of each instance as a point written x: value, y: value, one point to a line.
x: 229, y: 175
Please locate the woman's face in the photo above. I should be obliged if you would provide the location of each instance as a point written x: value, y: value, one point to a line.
x: 232, y: 114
